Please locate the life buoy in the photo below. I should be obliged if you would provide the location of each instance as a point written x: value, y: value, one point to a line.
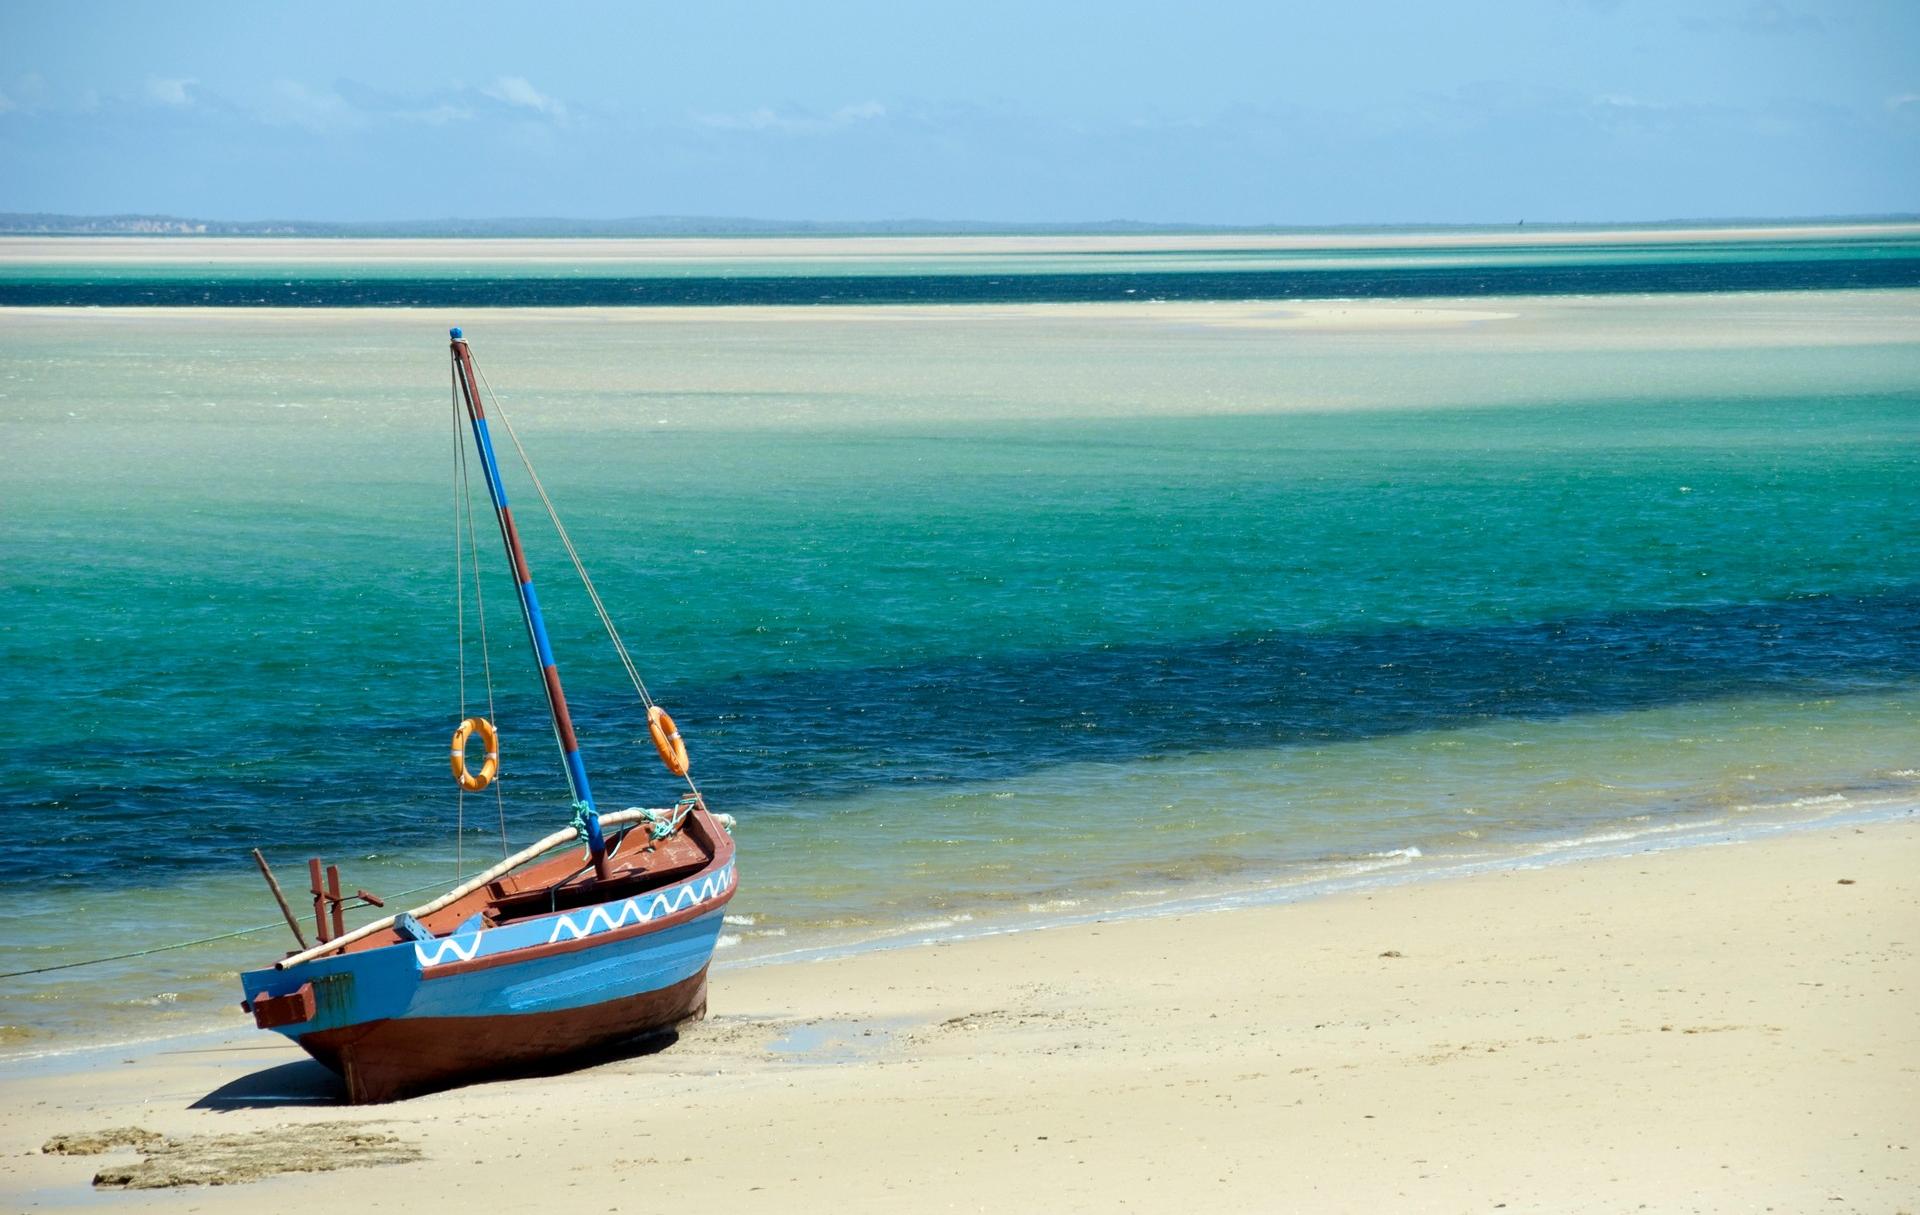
x: 473, y: 782
x: 667, y: 740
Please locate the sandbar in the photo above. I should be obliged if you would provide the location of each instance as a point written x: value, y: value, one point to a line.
x: 50, y: 250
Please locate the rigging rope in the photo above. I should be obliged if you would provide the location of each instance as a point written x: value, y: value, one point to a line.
x: 573, y: 554
x: 459, y: 614
x: 225, y: 936
x: 661, y: 823
x: 486, y: 650
x: 463, y: 502
x: 653, y: 817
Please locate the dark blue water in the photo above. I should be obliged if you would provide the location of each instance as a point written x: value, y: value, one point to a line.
x: 1879, y: 267
x: 1388, y: 574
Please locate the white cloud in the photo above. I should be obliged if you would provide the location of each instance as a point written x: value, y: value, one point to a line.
x: 1903, y: 100
x: 291, y: 103
x: 761, y: 119
x: 171, y: 91
x: 1623, y: 101
x: 766, y: 118
x: 518, y: 91
x: 30, y: 94
x: 437, y: 116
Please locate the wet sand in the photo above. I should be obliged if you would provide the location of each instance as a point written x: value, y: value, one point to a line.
x: 805, y: 367
x: 1713, y: 1028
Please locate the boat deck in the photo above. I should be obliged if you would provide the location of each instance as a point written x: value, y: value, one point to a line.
x: 565, y: 881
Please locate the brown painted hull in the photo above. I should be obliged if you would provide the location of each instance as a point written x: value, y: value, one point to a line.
x: 403, y: 1057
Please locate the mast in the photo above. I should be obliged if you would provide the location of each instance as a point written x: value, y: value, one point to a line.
x: 529, y: 603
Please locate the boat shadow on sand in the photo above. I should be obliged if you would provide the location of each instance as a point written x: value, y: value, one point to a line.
x: 303, y: 1082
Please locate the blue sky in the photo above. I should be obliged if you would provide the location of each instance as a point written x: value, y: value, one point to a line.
x: 1348, y: 111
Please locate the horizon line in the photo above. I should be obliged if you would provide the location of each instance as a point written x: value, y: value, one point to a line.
x: 159, y: 224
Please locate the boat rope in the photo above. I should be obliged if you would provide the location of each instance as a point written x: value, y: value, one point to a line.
x: 486, y: 648
x: 566, y: 541
x: 656, y: 819
x: 463, y: 510
x: 573, y: 554
x: 141, y: 953
x: 459, y: 611
x: 586, y: 825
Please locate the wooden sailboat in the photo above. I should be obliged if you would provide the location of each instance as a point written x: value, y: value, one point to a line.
x: 542, y: 956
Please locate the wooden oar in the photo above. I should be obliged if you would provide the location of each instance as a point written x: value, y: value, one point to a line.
x: 279, y: 898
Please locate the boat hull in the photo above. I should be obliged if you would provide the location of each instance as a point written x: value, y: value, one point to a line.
x: 409, y: 1017
x: 406, y: 1056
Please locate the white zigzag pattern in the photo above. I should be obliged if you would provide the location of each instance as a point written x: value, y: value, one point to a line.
x: 665, y: 903
x: 445, y: 946
x: 597, y: 921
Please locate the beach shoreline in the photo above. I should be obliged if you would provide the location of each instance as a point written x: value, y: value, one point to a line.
x: 1711, y: 1028
x: 55, y: 250
x: 69, y: 1047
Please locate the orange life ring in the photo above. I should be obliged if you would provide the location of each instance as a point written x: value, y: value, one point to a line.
x: 667, y: 740
x: 473, y: 782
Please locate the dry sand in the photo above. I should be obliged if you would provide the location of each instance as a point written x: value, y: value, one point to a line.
x: 275, y: 249
x: 1713, y: 1028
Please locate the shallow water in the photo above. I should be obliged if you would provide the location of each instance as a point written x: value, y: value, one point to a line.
x: 971, y: 616
x: 641, y: 274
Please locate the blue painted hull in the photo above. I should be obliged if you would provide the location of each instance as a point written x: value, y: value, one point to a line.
x: 402, y: 1018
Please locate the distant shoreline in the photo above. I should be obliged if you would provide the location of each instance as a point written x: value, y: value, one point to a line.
x: 172, y: 227
x: 46, y: 247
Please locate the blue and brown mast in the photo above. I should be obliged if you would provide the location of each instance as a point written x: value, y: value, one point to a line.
x: 589, y: 818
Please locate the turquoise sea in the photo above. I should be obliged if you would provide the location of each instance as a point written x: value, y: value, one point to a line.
x: 975, y: 615
x: 883, y: 271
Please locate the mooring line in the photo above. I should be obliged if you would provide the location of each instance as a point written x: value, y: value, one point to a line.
x: 141, y: 953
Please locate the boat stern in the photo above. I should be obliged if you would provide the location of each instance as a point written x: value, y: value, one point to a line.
x: 331, y: 992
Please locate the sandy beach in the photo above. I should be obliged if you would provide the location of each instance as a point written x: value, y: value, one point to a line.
x: 1713, y: 1028
x: 32, y: 250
